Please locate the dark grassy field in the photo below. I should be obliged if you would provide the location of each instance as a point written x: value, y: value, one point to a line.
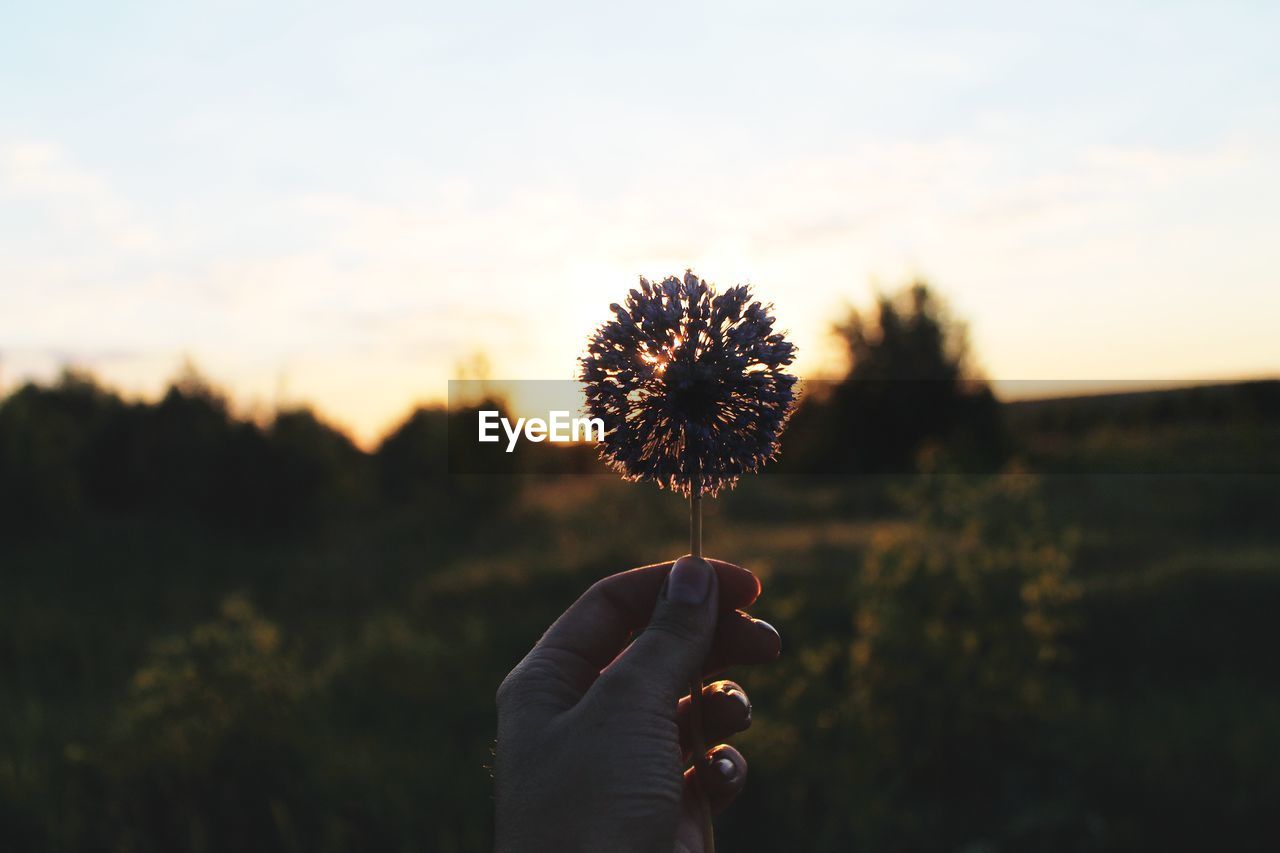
x: 1077, y: 660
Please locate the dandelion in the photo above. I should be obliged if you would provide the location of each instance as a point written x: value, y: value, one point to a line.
x: 691, y: 385
x: 693, y: 391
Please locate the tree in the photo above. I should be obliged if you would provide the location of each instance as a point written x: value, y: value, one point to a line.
x: 433, y: 462
x: 910, y: 384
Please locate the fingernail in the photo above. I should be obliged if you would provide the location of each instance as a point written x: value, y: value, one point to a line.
x: 744, y: 701
x: 726, y: 769
x: 765, y: 626
x: 689, y: 581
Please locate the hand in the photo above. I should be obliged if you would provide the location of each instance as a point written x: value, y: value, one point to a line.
x: 592, y: 731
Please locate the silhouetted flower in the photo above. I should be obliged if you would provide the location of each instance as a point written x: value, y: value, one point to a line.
x: 690, y: 384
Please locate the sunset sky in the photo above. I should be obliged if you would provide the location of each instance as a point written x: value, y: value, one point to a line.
x: 341, y: 206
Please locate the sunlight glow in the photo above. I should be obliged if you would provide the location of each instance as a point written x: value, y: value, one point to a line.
x: 318, y: 243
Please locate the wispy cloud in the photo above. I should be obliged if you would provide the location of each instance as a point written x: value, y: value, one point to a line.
x: 365, y: 301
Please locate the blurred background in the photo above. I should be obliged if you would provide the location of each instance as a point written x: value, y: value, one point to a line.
x: 1021, y: 542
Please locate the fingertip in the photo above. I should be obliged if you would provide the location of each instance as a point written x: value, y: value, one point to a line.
x: 722, y: 776
x: 690, y: 580
x: 740, y: 639
x: 726, y: 769
x: 739, y: 588
x: 730, y: 704
x: 771, y: 640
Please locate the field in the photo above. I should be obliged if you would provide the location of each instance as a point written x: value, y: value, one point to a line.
x: 1076, y: 659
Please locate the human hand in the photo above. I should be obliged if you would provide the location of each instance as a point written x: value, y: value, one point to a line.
x: 593, y: 733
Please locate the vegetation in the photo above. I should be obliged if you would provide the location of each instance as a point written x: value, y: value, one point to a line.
x: 910, y: 385
x: 221, y: 634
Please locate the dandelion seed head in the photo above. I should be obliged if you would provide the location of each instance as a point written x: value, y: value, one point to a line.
x: 691, y: 384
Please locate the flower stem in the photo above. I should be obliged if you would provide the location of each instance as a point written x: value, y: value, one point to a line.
x: 697, y: 737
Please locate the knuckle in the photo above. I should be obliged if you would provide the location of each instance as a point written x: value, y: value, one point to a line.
x: 519, y: 684
x: 683, y: 630
x: 598, y: 591
x: 536, y: 680
x: 623, y: 679
x: 636, y: 694
x: 504, y: 694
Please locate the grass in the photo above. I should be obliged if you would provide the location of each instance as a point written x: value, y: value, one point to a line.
x: 368, y: 724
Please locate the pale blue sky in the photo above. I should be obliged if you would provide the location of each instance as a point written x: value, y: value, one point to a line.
x: 340, y: 204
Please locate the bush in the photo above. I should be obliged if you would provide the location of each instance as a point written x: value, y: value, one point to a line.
x: 206, y: 751
x: 934, y: 670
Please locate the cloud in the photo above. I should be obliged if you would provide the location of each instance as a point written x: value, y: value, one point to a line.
x: 366, y: 300
x: 38, y: 182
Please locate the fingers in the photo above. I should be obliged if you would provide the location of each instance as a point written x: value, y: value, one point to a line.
x: 672, y: 649
x: 591, y: 633
x: 741, y: 639
x: 598, y: 625
x: 720, y: 780
x: 726, y: 710
x: 722, y: 777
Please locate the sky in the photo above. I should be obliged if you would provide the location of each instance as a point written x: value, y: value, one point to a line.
x: 343, y: 206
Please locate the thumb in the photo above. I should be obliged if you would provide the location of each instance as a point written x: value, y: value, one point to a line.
x: 672, y: 650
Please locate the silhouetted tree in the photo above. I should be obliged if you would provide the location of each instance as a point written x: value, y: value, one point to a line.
x: 910, y: 384
x: 46, y: 435
x: 433, y: 461
x: 73, y: 446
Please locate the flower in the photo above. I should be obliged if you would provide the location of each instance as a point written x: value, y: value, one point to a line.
x: 690, y: 385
